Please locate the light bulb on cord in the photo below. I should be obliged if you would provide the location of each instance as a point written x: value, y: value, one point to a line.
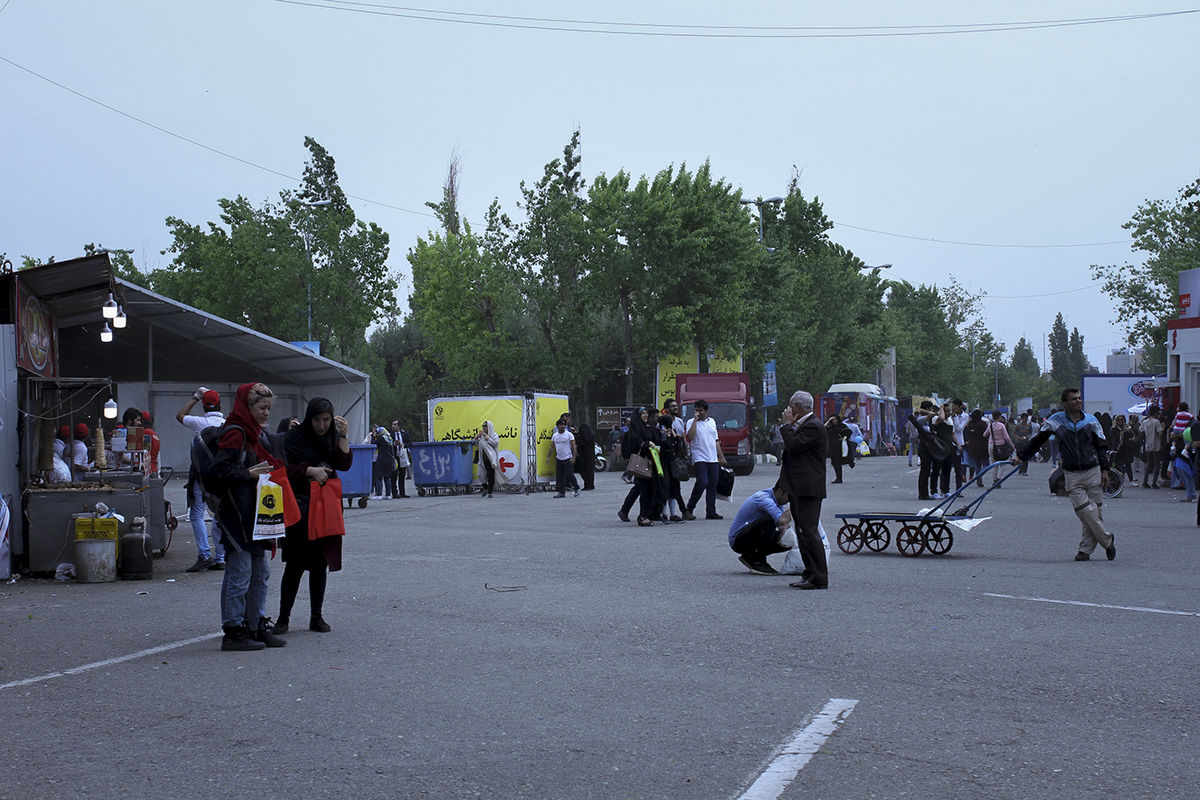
x: 120, y: 319
x: 106, y: 333
x: 110, y: 409
x: 109, y: 309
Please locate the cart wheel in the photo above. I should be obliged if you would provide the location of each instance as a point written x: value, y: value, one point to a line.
x: 938, y: 538
x: 877, y: 536
x: 910, y: 540
x: 850, y: 538
x: 362, y: 502
x: 420, y: 492
x: 1115, y: 484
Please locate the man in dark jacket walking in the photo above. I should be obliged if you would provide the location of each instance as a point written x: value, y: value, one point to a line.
x: 1084, y: 454
x: 802, y: 475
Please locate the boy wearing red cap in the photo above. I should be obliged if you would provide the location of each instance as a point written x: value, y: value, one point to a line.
x: 79, y: 453
x: 207, y: 557
x: 151, y: 439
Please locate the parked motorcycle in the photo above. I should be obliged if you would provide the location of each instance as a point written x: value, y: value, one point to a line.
x: 601, y: 461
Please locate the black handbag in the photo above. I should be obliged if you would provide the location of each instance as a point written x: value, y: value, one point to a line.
x: 1058, y: 483
x: 681, y: 470
x: 724, y: 483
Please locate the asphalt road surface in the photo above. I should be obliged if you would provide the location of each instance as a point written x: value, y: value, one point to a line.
x: 533, y: 647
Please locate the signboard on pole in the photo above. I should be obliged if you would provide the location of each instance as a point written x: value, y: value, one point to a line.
x: 770, y: 390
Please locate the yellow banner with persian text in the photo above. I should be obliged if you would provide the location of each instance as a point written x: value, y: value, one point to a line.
x: 670, y: 366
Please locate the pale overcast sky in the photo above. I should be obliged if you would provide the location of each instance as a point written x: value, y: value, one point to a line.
x: 929, y: 147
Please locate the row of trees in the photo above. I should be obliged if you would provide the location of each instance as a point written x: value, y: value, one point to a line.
x: 588, y: 283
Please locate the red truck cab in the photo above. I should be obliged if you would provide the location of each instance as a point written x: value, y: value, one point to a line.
x: 728, y: 398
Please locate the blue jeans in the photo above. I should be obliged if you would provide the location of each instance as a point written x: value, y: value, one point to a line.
x: 244, y: 588
x: 1183, y: 471
x: 200, y: 527
x: 706, y: 481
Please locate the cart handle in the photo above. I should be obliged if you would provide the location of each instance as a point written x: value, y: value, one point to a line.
x: 973, y: 506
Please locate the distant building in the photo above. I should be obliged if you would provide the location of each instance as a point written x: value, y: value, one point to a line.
x: 1127, y: 361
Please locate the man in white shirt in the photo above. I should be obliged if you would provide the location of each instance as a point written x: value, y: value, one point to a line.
x: 959, y: 419
x: 706, y: 455
x: 564, y: 453
x: 207, y: 557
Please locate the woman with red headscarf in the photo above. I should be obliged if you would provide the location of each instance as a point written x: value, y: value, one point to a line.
x: 243, y: 454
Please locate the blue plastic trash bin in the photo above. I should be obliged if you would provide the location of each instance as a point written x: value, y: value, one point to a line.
x: 438, y: 464
x: 356, y: 481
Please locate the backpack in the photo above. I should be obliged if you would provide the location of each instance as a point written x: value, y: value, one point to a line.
x: 204, y: 453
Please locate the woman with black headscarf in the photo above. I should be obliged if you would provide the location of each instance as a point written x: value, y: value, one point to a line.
x: 314, y: 449
x: 642, y: 438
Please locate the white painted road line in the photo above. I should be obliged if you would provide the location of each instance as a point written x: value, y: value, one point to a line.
x: 787, y: 762
x: 1094, y: 605
x: 110, y: 661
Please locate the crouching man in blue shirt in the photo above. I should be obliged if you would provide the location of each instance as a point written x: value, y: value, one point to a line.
x: 756, y: 529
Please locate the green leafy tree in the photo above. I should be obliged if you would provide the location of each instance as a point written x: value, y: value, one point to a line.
x: 551, y: 251
x: 1025, y: 374
x: 1146, y: 295
x: 1062, y: 371
x: 468, y: 306
x: 277, y: 266
x: 924, y: 340
x: 677, y: 253
x: 825, y: 311
x: 1078, y: 358
x: 402, y: 378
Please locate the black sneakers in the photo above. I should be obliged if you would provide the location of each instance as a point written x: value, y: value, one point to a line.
x: 1111, y: 550
x: 1082, y: 556
x: 266, y: 634
x: 318, y: 624
x: 201, y: 564
x: 759, y: 567
x: 237, y: 637
x: 281, y: 626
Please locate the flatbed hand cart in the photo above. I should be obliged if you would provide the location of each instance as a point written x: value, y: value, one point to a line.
x: 927, y: 532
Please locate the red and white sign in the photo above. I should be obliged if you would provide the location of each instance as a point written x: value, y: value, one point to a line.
x: 1189, y: 284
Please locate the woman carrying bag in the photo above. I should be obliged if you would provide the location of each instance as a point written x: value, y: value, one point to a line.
x: 314, y: 449
x: 487, y: 454
x: 1000, y: 446
x: 243, y: 454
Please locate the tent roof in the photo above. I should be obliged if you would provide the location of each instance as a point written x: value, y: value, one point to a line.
x: 188, y: 344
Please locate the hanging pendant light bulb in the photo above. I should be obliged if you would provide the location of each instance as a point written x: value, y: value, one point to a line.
x: 109, y: 309
x: 106, y: 333
x: 110, y: 409
x: 120, y: 319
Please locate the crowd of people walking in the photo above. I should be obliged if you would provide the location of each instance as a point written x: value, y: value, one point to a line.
x: 662, y: 451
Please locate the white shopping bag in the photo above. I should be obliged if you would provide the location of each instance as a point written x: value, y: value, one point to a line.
x: 793, y: 564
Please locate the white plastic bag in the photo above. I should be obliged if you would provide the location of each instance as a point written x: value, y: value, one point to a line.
x: 793, y: 563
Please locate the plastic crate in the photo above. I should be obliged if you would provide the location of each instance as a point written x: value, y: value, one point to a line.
x: 89, y: 526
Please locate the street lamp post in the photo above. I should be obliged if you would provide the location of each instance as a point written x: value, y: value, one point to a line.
x: 759, y: 205
x: 311, y: 204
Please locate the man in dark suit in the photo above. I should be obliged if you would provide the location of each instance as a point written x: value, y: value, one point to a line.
x: 802, y: 474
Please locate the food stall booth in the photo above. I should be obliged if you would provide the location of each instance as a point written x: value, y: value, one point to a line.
x: 65, y: 362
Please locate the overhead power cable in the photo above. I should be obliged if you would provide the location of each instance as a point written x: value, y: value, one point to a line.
x: 674, y: 30
x: 975, y: 244
x: 272, y: 171
x: 194, y: 142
